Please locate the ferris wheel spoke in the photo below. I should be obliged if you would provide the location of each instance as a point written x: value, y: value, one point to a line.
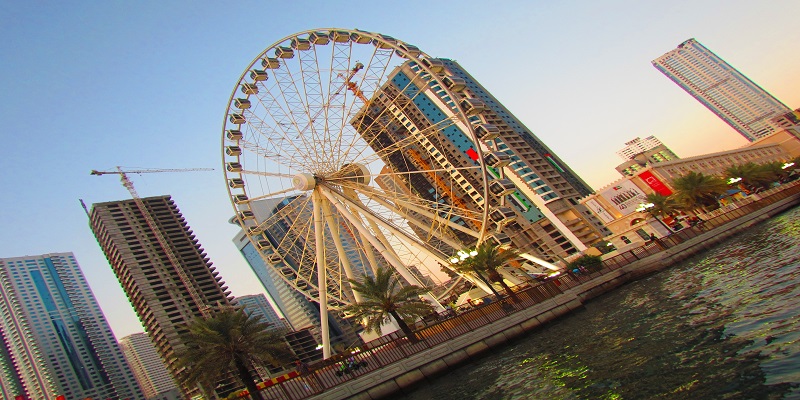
x: 341, y: 100
x: 266, y: 130
x: 376, y: 69
x: 434, y: 216
x: 272, y: 195
x: 377, y: 222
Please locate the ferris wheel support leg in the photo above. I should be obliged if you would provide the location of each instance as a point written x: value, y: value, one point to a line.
x: 316, y: 199
x: 539, y: 261
x: 438, y: 257
x: 388, y: 255
x: 368, y: 250
x: 351, y: 194
x: 337, y: 240
x: 373, y: 261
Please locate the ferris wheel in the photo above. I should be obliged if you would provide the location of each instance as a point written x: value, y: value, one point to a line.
x: 345, y: 151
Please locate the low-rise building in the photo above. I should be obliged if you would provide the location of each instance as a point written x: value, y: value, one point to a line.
x: 619, y: 204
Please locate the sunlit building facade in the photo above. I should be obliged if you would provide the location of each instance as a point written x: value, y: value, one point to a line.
x: 56, y: 340
x: 164, y: 297
x: 549, y: 220
x: 728, y: 93
x: 639, y: 153
x: 149, y: 368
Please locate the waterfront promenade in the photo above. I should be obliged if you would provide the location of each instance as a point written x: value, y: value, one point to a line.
x: 389, y: 364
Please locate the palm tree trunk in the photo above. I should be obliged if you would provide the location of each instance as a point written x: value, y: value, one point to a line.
x: 404, y: 327
x: 508, y: 290
x: 486, y: 281
x: 247, y: 378
x: 495, y: 276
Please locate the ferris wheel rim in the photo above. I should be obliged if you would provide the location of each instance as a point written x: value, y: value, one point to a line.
x: 390, y: 43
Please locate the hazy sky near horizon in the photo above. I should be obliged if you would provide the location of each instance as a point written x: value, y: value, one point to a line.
x: 93, y: 85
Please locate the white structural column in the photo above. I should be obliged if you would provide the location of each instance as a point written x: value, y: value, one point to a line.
x: 337, y: 240
x: 368, y: 250
x: 388, y: 255
x: 438, y: 257
x: 539, y: 261
x: 319, y: 226
x: 353, y: 197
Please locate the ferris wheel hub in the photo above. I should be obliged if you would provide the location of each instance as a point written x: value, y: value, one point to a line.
x: 304, y: 181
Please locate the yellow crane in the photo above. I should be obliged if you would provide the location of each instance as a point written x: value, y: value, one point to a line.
x: 173, y: 259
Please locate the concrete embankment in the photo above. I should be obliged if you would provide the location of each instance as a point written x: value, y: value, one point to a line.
x: 415, y: 369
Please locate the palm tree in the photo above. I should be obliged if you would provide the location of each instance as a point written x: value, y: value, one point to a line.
x: 383, y: 299
x: 487, y: 259
x: 696, y: 190
x: 772, y: 172
x: 664, y: 206
x: 751, y: 174
x: 230, y: 340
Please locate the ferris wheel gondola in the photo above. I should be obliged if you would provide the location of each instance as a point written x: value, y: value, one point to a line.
x: 338, y: 153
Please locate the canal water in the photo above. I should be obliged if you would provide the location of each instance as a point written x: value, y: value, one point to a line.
x: 722, y: 325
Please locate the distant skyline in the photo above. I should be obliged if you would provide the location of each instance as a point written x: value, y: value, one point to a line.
x: 719, y: 86
x: 144, y: 85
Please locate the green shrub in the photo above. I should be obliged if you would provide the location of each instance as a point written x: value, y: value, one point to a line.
x: 592, y: 263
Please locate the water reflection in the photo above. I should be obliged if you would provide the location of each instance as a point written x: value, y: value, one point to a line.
x: 723, y: 325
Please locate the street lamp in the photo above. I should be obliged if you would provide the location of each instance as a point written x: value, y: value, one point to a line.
x: 645, y: 207
x: 462, y: 255
x: 731, y: 181
x: 787, y: 165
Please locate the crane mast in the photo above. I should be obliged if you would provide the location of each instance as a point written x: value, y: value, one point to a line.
x: 151, y: 223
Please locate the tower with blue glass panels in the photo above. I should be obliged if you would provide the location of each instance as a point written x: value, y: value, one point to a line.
x: 56, y: 340
x: 550, y: 222
x: 301, y: 313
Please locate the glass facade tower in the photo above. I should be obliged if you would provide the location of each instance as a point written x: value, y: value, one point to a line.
x: 740, y: 102
x: 56, y: 340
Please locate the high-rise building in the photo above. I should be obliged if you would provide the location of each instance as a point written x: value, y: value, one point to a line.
x: 165, y: 273
x: 300, y: 312
x: 56, y: 340
x: 149, y: 368
x: 257, y: 304
x: 550, y: 222
x: 740, y: 102
x: 639, y: 153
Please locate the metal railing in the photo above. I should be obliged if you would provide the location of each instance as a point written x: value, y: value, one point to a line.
x: 448, y: 325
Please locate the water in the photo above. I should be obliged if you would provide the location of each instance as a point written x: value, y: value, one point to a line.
x: 722, y: 325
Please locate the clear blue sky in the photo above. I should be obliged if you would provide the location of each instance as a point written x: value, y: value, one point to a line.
x: 91, y: 85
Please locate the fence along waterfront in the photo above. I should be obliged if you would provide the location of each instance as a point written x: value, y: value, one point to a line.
x: 391, y: 348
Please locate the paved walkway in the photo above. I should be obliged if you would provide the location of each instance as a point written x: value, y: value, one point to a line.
x: 391, y: 363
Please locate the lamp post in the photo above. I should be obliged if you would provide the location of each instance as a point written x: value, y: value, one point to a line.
x: 462, y: 256
x: 645, y: 207
x: 739, y: 184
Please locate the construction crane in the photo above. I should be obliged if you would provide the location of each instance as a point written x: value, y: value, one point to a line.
x: 352, y: 86
x: 349, y: 85
x: 162, y: 241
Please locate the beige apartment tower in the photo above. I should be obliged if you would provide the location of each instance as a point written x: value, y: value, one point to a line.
x: 165, y: 296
